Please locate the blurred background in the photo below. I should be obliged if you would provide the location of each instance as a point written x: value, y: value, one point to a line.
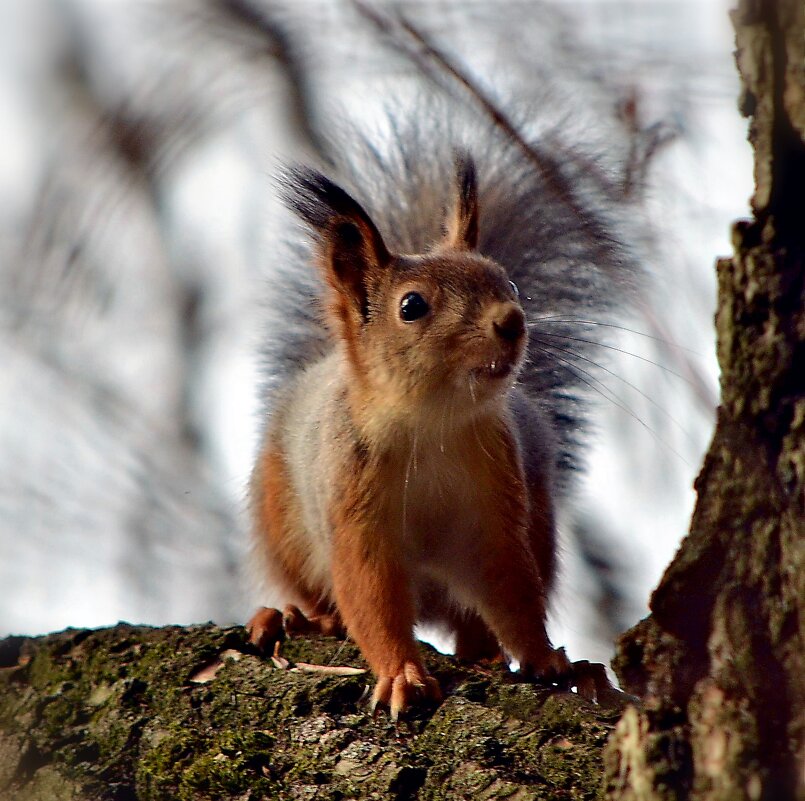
x: 137, y: 225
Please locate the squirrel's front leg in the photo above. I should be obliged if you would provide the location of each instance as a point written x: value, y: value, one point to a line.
x: 508, y: 591
x: 375, y: 599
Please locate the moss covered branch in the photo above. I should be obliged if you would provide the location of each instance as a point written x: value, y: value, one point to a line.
x: 195, y: 713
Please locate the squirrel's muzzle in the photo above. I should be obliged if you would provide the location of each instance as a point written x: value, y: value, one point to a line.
x: 506, y: 332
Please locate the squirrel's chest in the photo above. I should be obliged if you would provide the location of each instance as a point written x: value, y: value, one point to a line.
x: 436, y: 499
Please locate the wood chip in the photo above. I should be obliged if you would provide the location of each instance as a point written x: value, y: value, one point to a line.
x: 207, y: 673
x: 333, y: 670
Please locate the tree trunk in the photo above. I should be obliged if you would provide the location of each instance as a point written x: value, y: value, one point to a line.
x: 721, y: 659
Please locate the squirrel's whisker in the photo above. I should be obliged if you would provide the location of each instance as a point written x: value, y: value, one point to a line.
x: 617, y: 350
x: 620, y: 378
x: 605, y: 392
x: 561, y: 318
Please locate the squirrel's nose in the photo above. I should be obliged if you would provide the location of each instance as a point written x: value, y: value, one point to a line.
x: 511, y: 325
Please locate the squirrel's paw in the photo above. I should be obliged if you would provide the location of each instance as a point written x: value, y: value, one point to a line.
x: 412, y: 684
x: 551, y: 665
x: 592, y: 683
x: 297, y: 622
x: 265, y: 629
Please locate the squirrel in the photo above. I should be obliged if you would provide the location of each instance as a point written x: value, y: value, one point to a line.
x: 420, y: 435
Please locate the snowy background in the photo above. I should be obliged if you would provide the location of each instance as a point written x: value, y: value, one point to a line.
x: 136, y: 209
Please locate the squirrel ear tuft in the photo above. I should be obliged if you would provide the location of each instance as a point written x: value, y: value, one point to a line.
x: 350, y: 244
x: 462, y: 226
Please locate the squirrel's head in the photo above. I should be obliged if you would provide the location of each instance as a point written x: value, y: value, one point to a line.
x: 438, y: 330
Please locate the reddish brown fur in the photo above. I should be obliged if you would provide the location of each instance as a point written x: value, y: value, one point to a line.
x: 372, y: 589
x: 272, y: 509
x: 514, y: 599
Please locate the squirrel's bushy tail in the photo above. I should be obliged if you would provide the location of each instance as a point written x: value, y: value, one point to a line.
x: 547, y: 214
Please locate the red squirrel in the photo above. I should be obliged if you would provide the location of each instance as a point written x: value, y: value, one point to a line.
x: 413, y: 455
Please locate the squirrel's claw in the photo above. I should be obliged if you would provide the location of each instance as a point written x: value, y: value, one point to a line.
x: 412, y: 684
x: 381, y: 695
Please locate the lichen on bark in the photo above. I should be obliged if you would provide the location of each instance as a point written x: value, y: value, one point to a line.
x: 195, y: 713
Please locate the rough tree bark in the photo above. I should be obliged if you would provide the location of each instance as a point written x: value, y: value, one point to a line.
x: 721, y: 659
x: 195, y: 714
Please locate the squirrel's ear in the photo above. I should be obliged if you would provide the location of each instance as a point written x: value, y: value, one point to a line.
x: 351, y: 247
x: 462, y: 225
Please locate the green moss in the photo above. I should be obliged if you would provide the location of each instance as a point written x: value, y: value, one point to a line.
x: 117, y: 709
x: 198, y: 765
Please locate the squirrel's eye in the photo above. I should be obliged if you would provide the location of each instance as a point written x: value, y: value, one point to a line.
x: 514, y: 289
x: 413, y: 307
